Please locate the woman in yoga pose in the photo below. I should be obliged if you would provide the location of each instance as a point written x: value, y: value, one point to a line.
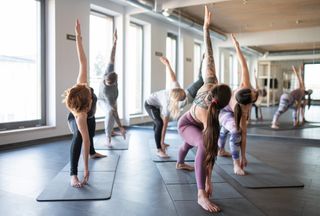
x: 161, y: 105
x: 81, y: 102
x: 233, y: 118
x: 108, y: 95
x: 292, y: 100
x: 199, y: 127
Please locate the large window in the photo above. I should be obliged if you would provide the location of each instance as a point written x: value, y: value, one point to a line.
x: 312, y: 71
x: 234, y: 73
x: 197, y: 56
x: 101, y: 42
x: 22, y: 86
x: 171, y: 54
x: 135, y: 62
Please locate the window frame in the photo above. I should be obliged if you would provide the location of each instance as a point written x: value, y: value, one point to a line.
x: 172, y: 36
x: 43, y: 120
x: 142, y: 69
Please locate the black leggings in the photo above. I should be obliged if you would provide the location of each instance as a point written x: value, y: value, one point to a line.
x: 154, y: 113
x: 76, y: 143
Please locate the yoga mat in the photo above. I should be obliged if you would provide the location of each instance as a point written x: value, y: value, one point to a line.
x: 172, y: 126
x: 117, y: 143
x: 172, y: 151
x: 171, y: 175
x: 59, y: 189
x: 185, y: 192
x: 260, y: 175
x: 105, y: 164
x: 238, y: 207
x: 284, y: 126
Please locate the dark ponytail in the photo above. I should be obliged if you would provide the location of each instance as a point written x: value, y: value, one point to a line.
x: 237, y: 115
x: 218, y: 97
x: 211, y: 135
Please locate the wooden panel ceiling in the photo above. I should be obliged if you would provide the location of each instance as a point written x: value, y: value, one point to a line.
x: 288, y: 47
x: 259, y: 15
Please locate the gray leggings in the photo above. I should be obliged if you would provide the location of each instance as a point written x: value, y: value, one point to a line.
x: 108, y: 119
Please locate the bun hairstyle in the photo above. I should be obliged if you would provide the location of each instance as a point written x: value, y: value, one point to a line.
x: 176, y: 95
x: 218, y: 97
x: 78, y: 98
x: 243, y: 97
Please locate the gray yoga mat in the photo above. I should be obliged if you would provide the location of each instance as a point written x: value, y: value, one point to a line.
x: 185, y: 192
x: 117, y: 143
x: 171, y: 175
x: 172, y: 151
x: 99, y: 187
x: 284, y: 126
x: 261, y: 175
x: 105, y: 164
x: 238, y: 207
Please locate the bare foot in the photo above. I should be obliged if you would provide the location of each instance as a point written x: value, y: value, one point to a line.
x: 237, y: 168
x: 75, y: 182
x: 162, y: 154
x: 274, y: 126
x: 97, y: 155
x: 183, y: 166
x: 205, y: 203
x: 223, y: 153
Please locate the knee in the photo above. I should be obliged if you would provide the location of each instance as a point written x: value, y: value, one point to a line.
x: 235, y: 137
x: 159, y: 123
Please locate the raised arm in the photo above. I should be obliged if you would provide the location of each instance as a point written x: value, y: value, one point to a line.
x: 169, y: 70
x: 82, y: 76
x: 299, y: 77
x: 210, y: 70
x: 113, y: 51
x: 83, y: 128
x: 245, y: 78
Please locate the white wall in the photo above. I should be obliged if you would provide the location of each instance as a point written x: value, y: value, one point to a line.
x: 62, y: 62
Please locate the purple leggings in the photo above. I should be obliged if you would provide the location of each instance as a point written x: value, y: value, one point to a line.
x: 191, y: 132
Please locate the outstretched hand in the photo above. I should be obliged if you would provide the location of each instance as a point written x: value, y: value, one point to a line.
x: 243, y: 162
x: 207, y: 17
x: 85, y: 177
x: 164, y: 60
x: 77, y: 27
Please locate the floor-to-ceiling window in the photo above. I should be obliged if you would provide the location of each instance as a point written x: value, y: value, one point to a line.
x: 101, y: 42
x: 311, y: 73
x: 22, y: 65
x: 172, y: 55
x: 135, y: 74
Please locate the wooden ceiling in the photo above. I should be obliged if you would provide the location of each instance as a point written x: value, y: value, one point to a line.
x: 288, y: 47
x: 259, y: 15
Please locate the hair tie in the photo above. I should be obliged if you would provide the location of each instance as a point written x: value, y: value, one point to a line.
x: 214, y: 101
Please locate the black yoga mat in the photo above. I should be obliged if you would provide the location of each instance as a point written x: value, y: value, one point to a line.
x: 259, y: 175
x: 172, y: 151
x: 99, y: 187
x: 117, y: 143
x: 171, y: 175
